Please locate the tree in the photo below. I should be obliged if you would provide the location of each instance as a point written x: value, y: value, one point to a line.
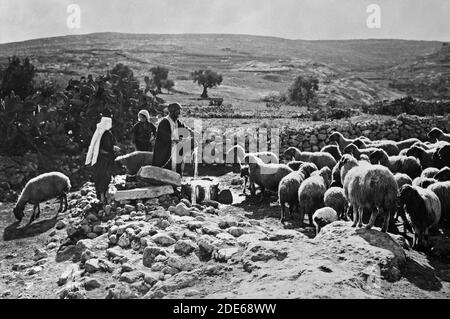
x: 168, y: 85
x: 160, y: 74
x: 303, y: 90
x: 18, y: 77
x: 207, y: 79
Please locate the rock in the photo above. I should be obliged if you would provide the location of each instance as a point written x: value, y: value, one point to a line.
x: 264, y: 251
x: 92, y: 265
x: 124, y: 241
x: 150, y: 253
x: 143, y: 193
x: 163, y: 239
x: 180, y: 210
x: 115, y: 252
x: 225, y: 237
x: 225, y: 254
x: 34, y: 270
x: 210, y: 230
x: 126, y: 268
x: 159, y: 176
x: 121, y: 293
x: 39, y: 254
x: 193, y: 225
x: 151, y: 278
x: 60, y: 224
x: 68, y: 291
x: 186, y: 202
x: 91, y: 284
x: 67, y: 274
x: 211, y: 203
x: 236, y: 231
x: 372, y: 246
x: 191, y: 293
x: 180, y: 281
x: 226, y: 223
x: 98, y: 244
x: 225, y: 197
x: 22, y: 266
x: 51, y: 246
x: 185, y: 247
x: 132, y: 276
x: 285, y: 234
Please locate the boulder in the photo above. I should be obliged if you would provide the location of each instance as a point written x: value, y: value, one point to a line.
x: 143, y: 193
x: 225, y: 197
x: 159, y: 176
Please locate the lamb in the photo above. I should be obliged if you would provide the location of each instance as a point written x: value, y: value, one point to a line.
x: 357, y: 153
x: 372, y: 187
x: 424, y: 208
x: 429, y: 172
x: 40, y: 189
x: 343, y: 142
x: 323, y: 217
x: 423, y: 182
x: 311, y: 193
x: 397, y: 164
x: 267, y: 176
x: 333, y: 150
x: 289, y: 185
x: 390, y: 147
x: 439, y: 135
x: 334, y: 198
x: 442, y: 190
x: 443, y: 175
x: 424, y: 156
x: 134, y: 161
x: 321, y: 159
x: 402, y: 179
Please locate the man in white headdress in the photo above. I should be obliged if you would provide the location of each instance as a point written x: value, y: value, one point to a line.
x: 101, y: 157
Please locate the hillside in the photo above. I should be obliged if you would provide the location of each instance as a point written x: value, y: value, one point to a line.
x: 253, y: 66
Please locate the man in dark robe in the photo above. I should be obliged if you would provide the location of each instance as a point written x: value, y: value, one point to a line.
x: 167, y: 137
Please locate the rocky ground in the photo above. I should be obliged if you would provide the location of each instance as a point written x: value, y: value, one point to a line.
x: 161, y: 249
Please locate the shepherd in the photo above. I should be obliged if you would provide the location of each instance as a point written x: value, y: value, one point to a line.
x: 143, y: 132
x: 166, y: 153
x: 101, y: 155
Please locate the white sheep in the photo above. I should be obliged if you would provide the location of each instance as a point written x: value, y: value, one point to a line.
x: 321, y: 159
x: 335, y: 198
x: 324, y: 216
x: 40, y: 189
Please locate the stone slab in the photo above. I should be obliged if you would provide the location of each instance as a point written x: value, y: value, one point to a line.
x: 143, y: 193
x: 159, y: 176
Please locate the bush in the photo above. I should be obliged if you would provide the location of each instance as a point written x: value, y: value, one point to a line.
x: 206, y: 78
x: 18, y: 77
x: 303, y: 90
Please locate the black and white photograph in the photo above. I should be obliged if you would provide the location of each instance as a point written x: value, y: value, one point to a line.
x: 224, y: 155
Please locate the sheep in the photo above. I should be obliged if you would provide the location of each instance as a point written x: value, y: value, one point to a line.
x: 423, y: 182
x: 424, y: 156
x: 429, y: 172
x: 333, y: 150
x: 443, y: 175
x: 397, y: 164
x: 295, y: 165
x: 424, y: 208
x: 356, y: 152
x: 289, y: 185
x: 266, y: 157
x: 336, y: 176
x: 343, y: 142
x: 40, y: 189
x: 390, y: 147
x: 348, y: 162
x: 323, y: 217
x: 405, y: 144
x: 441, y: 156
x: 438, y: 135
x: 134, y: 161
x: 402, y: 179
x: 311, y: 193
x: 320, y: 159
x: 442, y: 190
x: 372, y: 187
x: 334, y: 198
x: 267, y: 176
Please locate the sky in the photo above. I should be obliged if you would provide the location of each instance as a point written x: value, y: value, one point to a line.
x: 293, y: 19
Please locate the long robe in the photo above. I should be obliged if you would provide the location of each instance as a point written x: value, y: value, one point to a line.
x: 142, y: 134
x: 163, y: 146
x: 104, y: 168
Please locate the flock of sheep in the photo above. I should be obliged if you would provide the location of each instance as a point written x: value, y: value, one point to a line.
x: 409, y: 179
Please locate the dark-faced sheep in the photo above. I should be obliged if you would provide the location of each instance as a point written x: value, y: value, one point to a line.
x: 318, y: 158
x: 267, y: 176
x: 437, y: 134
x: 441, y: 157
x: 289, y: 185
x: 336, y: 176
x: 333, y: 150
x: 397, y: 164
x: 424, y: 156
x: 372, y: 187
x: 442, y: 190
x: 311, y: 193
x: 443, y: 175
x: 323, y: 217
x: 429, y: 172
x: 334, y: 197
x: 134, y: 161
x: 402, y: 179
x: 40, y: 189
x: 424, y: 209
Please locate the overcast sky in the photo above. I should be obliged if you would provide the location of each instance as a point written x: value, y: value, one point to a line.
x: 293, y: 19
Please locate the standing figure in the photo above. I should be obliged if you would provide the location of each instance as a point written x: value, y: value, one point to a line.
x: 143, y: 131
x: 101, y: 156
x: 167, y: 138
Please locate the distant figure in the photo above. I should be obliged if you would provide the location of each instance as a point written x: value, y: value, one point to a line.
x: 101, y: 156
x: 167, y: 138
x: 143, y: 132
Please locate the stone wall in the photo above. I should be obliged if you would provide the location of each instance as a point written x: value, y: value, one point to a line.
x: 399, y: 128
